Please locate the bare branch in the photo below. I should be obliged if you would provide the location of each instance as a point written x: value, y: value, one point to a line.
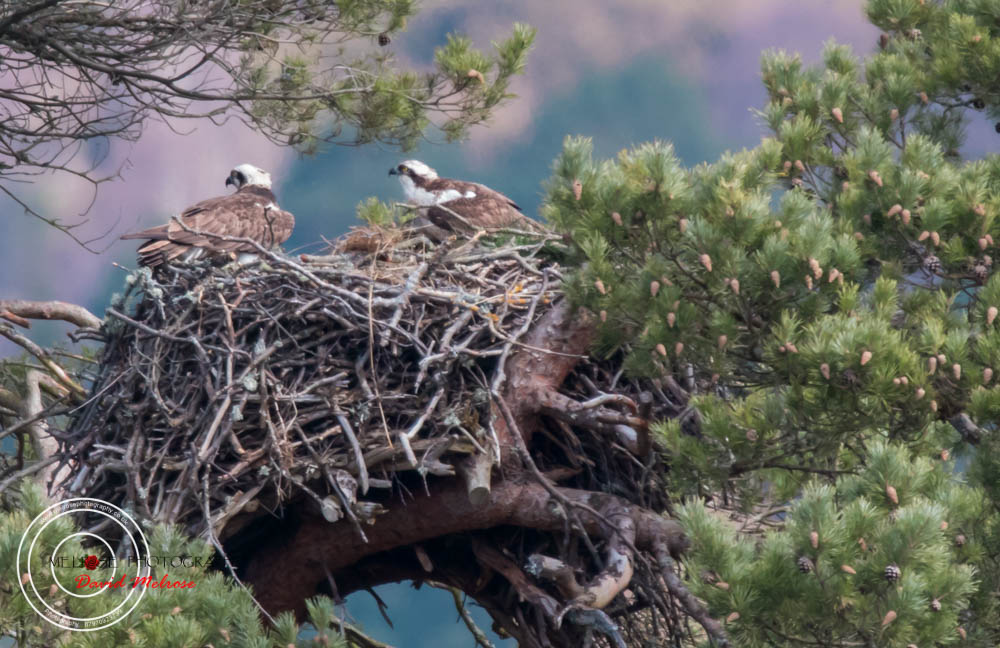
x: 43, y: 356
x: 477, y: 633
x: 48, y: 310
x: 88, y: 71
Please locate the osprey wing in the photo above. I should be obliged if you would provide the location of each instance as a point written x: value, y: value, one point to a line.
x: 496, y: 194
x: 250, y: 213
x: 480, y: 207
x: 155, y: 233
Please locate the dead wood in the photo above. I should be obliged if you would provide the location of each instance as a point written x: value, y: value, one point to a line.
x: 20, y: 311
x: 315, y: 417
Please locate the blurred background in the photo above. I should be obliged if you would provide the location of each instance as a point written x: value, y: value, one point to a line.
x: 622, y: 72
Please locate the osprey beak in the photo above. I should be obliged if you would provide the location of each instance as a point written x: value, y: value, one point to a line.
x: 230, y: 181
x: 393, y: 171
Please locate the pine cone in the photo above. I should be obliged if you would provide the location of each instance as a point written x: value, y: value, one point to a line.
x: 932, y: 264
x: 980, y: 272
x: 892, y: 573
x: 383, y: 39
x: 805, y: 564
x: 935, y: 605
x: 960, y: 540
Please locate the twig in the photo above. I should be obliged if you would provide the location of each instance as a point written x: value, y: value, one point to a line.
x: 690, y: 604
x: 477, y: 633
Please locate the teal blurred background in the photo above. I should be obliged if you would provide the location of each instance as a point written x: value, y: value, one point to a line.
x: 621, y: 72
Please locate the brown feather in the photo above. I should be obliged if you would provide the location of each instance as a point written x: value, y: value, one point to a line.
x: 488, y: 209
x: 250, y: 213
x: 157, y: 232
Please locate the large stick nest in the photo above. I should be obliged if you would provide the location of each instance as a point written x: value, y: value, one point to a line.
x: 227, y: 392
x: 223, y: 389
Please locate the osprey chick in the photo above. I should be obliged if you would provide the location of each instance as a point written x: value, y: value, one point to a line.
x: 251, y: 212
x: 458, y: 205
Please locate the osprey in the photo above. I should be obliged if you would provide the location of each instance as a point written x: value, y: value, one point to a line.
x: 458, y: 205
x: 251, y: 213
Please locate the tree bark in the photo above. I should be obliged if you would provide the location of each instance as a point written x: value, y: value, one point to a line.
x: 550, y: 351
x: 19, y: 311
x: 286, y: 571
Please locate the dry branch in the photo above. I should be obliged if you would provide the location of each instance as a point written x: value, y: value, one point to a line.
x: 476, y: 471
x: 477, y: 633
x: 23, y: 310
x: 344, y: 392
x: 88, y: 70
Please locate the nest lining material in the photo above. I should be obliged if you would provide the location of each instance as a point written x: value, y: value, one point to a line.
x: 224, y: 388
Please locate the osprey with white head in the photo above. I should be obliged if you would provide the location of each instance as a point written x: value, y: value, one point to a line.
x: 228, y: 226
x: 455, y: 204
x: 248, y: 174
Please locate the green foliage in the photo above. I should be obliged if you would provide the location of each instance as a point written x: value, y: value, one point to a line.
x: 376, y: 101
x: 216, y: 611
x: 821, y: 576
x: 952, y: 50
x: 829, y: 302
x: 375, y: 212
x: 300, y: 72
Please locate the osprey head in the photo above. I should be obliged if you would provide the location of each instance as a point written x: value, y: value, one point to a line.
x: 248, y: 174
x: 414, y: 175
x: 415, y: 170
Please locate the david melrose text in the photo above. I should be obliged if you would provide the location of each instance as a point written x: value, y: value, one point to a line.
x: 145, y: 581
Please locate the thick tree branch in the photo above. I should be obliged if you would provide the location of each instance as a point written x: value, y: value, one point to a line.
x: 287, y: 571
x: 32, y: 418
x: 533, y: 375
x: 47, y: 310
x: 964, y: 425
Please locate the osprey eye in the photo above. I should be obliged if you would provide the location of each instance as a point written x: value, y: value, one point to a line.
x: 402, y: 168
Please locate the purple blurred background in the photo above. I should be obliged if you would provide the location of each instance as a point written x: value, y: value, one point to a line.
x: 622, y: 72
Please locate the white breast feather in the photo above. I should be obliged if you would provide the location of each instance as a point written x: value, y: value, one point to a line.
x: 423, y: 198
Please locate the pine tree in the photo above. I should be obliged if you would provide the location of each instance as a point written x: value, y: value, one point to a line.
x: 883, y: 569
x: 215, y: 612
x: 822, y: 311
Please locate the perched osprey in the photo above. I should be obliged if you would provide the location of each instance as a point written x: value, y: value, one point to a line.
x: 251, y: 212
x: 458, y: 205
